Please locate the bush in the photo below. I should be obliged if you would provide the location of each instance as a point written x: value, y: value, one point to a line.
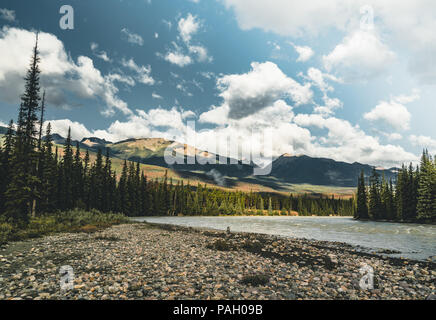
x: 76, y: 220
x: 6, y: 232
x: 255, y: 280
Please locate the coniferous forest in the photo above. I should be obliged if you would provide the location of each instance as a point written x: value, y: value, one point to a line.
x: 411, y: 199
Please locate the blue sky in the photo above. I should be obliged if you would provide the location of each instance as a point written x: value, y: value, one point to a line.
x: 328, y: 81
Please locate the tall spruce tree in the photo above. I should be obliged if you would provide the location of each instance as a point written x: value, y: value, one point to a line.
x: 375, y: 205
x: 22, y: 190
x: 362, y: 200
x: 426, y: 193
x: 67, y: 174
x: 6, y: 163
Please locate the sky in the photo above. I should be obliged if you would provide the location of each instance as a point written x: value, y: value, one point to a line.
x: 347, y: 80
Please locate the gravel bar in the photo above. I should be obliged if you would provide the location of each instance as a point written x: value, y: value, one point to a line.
x: 148, y: 261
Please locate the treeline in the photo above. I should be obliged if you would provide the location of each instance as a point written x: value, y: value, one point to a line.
x: 412, y: 198
x: 72, y: 181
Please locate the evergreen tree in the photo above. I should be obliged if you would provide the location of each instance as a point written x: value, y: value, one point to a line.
x: 67, y: 175
x: 426, y: 192
x: 78, y: 179
x: 50, y: 172
x: 362, y: 201
x: 375, y: 205
x: 21, y: 192
x: 6, y: 163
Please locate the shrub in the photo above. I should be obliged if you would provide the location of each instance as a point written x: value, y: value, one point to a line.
x: 6, y: 232
x: 73, y: 220
x: 255, y: 280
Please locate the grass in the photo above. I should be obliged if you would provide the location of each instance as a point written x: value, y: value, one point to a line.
x: 69, y: 221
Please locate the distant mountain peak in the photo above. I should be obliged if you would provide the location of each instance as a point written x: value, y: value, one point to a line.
x: 94, y: 142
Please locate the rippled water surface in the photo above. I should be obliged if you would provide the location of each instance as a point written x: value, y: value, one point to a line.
x: 414, y: 241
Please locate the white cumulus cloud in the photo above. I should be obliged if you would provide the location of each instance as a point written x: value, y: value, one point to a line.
x: 8, y: 15
x: 393, y: 112
x: 132, y: 37
x: 62, y: 77
x: 304, y: 53
x: 360, y: 57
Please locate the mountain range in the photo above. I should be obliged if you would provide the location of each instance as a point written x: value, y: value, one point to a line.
x: 287, y: 171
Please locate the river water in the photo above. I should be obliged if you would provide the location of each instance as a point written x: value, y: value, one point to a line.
x: 414, y: 241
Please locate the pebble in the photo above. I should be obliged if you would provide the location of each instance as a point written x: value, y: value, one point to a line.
x: 179, y: 263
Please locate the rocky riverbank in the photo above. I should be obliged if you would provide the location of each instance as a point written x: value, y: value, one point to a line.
x: 142, y: 261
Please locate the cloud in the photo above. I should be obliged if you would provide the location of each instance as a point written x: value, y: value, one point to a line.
x: 345, y: 142
x: 393, y: 112
x: 393, y: 136
x: 185, y: 53
x: 247, y: 93
x: 291, y: 18
x: 291, y: 133
x: 360, y: 57
x: 322, y: 81
x: 157, y: 123
x: 142, y: 72
x: 260, y: 109
x: 200, y: 52
x: 424, y: 142
x: 132, y: 37
x: 409, y: 26
x: 178, y: 58
x: 304, y: 53
x: 167, y: 23
x: 188, y: 27
x: 64, y: 79
x: 101, y: 54
x: 78, y: 130
x: 156, y: 96
x: 8, y: 15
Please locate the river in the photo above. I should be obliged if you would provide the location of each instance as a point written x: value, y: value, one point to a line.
x: 413, y: 241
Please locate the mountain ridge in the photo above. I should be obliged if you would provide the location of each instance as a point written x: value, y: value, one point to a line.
x: 288, y: 168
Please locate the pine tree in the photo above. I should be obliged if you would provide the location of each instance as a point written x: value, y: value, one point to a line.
x: 49, y: 175
x: 362, y: 202
x: 67, y: 201
x: 77, y: 179
x: 97, y: 178
x: 6, y: 163
x: 21, y: 192
x: 374, y: 207
x: 86, y: 181
x: 426, y: 192
x: 122, y: 191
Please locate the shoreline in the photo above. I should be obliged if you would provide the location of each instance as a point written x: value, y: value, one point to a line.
x: 156, y: 261
x: 333, y: 245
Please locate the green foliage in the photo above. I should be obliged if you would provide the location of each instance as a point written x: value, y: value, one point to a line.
x: 70, y: 221
x: 412, y: 199
x: 362, y: 204
x: 426, y: 204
